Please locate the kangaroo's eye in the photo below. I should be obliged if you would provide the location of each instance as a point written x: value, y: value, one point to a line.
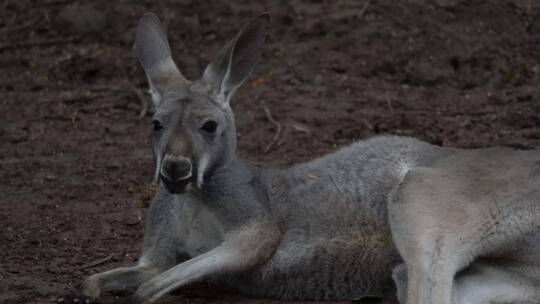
x: 209, y: 126
x: 157, y: 125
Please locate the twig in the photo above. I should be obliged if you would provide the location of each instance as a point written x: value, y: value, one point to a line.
x: 57, y: 2
x: 68, y: 97
x: 143, y: 101
x: 388, y: 102
x: 278, y: 129
x: 92, y: 108
x: 364, y: 9
x: 6, y: 3
x: 22, y: 27
x: 29, y: 44
x: 60, y: 61
x: 98, y: 262
x: 107, y: 91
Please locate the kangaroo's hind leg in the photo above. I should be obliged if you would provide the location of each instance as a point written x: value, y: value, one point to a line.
x: 424, y: 235
x: 511, y: 277
x: 439, y: 230
x: 486, y: 281
x: 493, y: 282
x: 160, y: 252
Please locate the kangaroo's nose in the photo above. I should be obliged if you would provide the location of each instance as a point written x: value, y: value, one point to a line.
x: 176, y: 168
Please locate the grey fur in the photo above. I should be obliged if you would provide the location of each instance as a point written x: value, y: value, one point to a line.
x: 468, y: 227
x: 319, y: 230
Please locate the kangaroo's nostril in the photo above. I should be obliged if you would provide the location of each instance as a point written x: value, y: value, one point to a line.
x: 177, y: 169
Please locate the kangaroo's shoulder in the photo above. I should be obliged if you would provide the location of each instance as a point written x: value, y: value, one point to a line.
x: 377, y: 162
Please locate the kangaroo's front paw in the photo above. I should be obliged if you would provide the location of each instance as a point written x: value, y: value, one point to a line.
x: 90, y: 288
x: 75, y: 299
x: 133, y: 299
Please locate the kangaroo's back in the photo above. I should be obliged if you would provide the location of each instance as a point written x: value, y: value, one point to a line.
x: 354, y: 181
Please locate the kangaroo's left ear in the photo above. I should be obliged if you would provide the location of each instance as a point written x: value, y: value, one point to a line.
x: 236, y: 60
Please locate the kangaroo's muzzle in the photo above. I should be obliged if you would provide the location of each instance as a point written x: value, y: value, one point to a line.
x: 175, y: 173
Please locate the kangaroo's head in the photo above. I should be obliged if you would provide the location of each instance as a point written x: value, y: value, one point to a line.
x: 193, y: 127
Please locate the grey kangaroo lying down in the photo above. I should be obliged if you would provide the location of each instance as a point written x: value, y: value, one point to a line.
x: 465, y: 222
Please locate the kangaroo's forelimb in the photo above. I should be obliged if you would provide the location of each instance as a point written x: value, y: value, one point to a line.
x: 242, y: 249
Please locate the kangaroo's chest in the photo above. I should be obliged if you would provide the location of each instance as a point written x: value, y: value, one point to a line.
x: 201, y: 229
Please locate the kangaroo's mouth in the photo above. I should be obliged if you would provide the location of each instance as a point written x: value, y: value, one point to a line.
x: 176, y: 173
x: 190, y: 180
x: 176, y: 186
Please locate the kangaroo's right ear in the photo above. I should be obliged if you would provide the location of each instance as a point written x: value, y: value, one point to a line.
x: 236, y: 60
x: 155, y: 56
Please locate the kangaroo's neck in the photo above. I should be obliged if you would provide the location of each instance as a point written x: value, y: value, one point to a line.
x: 235, y: 189
x: 234, y: 172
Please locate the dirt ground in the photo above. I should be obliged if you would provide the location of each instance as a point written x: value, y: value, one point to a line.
x: 75, y: 158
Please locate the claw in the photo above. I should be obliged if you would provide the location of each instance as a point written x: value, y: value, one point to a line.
x: 75, y: 299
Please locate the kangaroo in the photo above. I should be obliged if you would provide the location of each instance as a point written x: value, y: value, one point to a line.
x: 347, y: 225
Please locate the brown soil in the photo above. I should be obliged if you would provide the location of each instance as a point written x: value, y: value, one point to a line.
x: 75, y: 159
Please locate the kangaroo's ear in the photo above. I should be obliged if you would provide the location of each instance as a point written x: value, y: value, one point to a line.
x: 236, y: 60
x: 155, y: 56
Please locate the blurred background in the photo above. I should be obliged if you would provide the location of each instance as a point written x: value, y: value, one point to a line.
x: 75, y: 159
